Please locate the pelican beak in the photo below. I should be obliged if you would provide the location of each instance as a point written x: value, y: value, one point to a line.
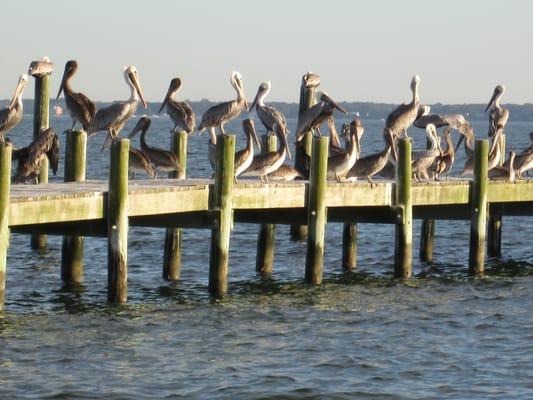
x: 283, y: 138
x: 355, y: 138
x: 392, y: 141
x: 256, y: 138
x: 138, y: 127
x: 491, y: 102
x: 19, y: 89
x: 333, y: 133
x: 163, y: 104
x: 256, y: 98
x: 334, y: 103
x: 135, y: 80
x: 61, y: 87
x: 461, y: 138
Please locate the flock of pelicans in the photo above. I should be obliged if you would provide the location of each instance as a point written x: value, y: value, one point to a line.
x: 345, y: 162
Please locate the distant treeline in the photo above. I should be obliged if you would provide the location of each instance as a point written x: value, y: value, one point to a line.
x: 472, y: 112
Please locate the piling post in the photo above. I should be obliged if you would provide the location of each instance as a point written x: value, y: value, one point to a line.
x: 403, y: 252
x: 266, y: 238
x: 349, y: 246
x: 478, y: 222
x: 316, y: 211
x: 72, y: 247
x: 427, y: 233
x: 41, y: 71
x: 5, y: 182
x: 494, y: 229
x: 117, y: 222
x: 308, y: 87
x: 173, y: 236
x: 222, y: 206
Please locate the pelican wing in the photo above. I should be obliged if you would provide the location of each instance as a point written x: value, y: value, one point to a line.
x: 182, y: 115
x: 110, y: 116
x: 269, y: 116
x: 8, y: 118
x: 86, y: 107
x: 221, y: 113
x: 260, y: 162
x: 308, y: 119
x: 37, y: 150
x: 369, y: 165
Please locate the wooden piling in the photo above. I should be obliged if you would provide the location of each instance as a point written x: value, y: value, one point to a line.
x: 303, y: 149
x: 267, y: 232
x: 403, y: 252
x: 316, y: 211
x: 478, y: 222
x: 349, y: 246
x: 72, y: 247
x: 494, y: 228
x: 117, y: 222
x: 221, y: 205
x: 173, y: 236
x: 41, y: 120
x: 427, y: 232
x: 5, y: 182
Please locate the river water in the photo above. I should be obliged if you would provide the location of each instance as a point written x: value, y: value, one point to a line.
x: 440, y: 334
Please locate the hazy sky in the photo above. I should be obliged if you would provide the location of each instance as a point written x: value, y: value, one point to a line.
x: 363, y: 50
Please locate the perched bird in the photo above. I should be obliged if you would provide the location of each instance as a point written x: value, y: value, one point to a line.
x: 179, y: 111
x: 139, y: 162
x: 30, y: 157
x: 80, y: 108
x: 339, y: 164
x: 453, y: 121
x: 244, y: 157
x: 506, y: 172
x: 498, y: 115
x: 469, y: 138
x: 163, y: 160
x: 403, y: 116
x: 367, y: 167
x: 113, y: 118
x: 266, y: 163
x: 494, y: 155
x: 444, y: 162
x: 313, y: 117
x: 268, y: 115
x: 524, y: 160
x: 424, y: 159
x: 12, y: 115
x: 285, y: 173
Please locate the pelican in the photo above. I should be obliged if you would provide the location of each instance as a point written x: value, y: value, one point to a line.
x: 219, y: 114
x: 113, y: 118
x: 80, y: 108
x: 179, y: 111
x: 266, y: 163
x: 30, y: 158
x: 506, y: 171
x: 524, y: 160
x: 139, y: 162
x: 163, y: 160
x: 498, y: 115
x: 311, y: 80
x: 454, y: 121
x: 494, y: 155
x: 12, y: 115
x: 402, y: 117
x: 372, y: 164
x: 469, y: 141
x: 313, y: 117
x: 244, y: 157
x: 339, y: 164
x: 424, y: 159
x: 444, y: 162
x: 268, y: 115
x: 285, y: 173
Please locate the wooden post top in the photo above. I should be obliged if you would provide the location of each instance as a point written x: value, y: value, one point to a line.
x: 41, y: 68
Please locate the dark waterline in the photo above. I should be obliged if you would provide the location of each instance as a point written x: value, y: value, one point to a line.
x: 440, y: 334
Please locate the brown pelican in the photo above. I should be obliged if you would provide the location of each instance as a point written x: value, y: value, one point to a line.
x: 139, y: 162
x: 402, y: 117
x: 498, y: 115
x: 506, y: 171
x: 30, y: 158
x: 266, y: 163
x: 12, y: 115
x: 80, y: 108
x: 285, y: 173
x: 454, y: 121
x: 444, y: 163
x: 268, y: 115
x: 494, y: 155
x: 219, y: 114
x: 524, y: 160
x: 244, y: 157
x: 424, y: 159
x: 372, y: 164
x: 163, y: 160
x: 339, y: 164
x: 469, y: 141
x: 113, y: 117
x: 311, y: 80
x: 179, y: 111
x: 314, y: 117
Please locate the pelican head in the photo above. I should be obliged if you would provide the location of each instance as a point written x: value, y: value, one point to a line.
x: 356, y: 131
x: 262, y: 91
x: 249, y: 128
x: 17, y: 96
x: 415, y: 82
x: 496, y: 96
x: 280, y: 132
x: 311, y: 80
x: 132, y: 78
x: 70, y: 69
x: 236, y: 82
x: 142, y: 125
x: 423, y: 110
x: 326, y: 98
x: 175, y: 85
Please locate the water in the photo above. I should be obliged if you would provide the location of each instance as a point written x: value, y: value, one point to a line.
x: 440, y: 334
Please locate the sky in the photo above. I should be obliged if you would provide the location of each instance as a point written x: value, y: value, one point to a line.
x: 362, y: 50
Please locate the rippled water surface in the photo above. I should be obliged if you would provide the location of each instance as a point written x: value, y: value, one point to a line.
x: 440, y: 334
